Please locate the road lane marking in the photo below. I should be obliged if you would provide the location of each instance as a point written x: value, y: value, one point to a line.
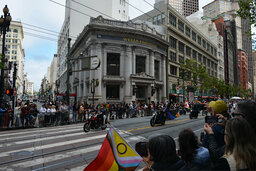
x: 169, y: 123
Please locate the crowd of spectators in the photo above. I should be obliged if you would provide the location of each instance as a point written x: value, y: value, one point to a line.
x: 229, y: 143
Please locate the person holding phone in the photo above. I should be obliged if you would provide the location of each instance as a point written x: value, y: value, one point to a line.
x: 216, y: 121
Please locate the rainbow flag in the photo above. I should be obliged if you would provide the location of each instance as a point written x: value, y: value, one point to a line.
x: 115, y: 154
x: 198, y: 102
x: 187, y: 105
x: 177, y: 115
x: 169, y: 113
x: 215, y: 88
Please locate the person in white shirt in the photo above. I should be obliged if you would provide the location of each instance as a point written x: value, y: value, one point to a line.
x: 53, y: 111
x: 41, y: 116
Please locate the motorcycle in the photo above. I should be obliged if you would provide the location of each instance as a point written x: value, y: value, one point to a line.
x: 94, y: 122
x: 158, y: 118
x: 182, y: 111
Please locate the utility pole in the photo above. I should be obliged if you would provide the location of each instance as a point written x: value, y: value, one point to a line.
x: 68, y: 71
x: 14, y: 85
x: 4, y: 27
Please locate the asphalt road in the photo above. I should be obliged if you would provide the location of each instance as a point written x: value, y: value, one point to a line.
x: 69, y: 148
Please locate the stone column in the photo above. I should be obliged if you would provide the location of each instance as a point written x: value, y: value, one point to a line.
x: 133, y: 61
x: 98, y: 72
x: 163, y: 78
x: 151, y: 63
x: 128, y: 70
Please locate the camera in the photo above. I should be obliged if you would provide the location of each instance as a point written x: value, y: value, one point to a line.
x: 211, y: 119
x: 141, y: 149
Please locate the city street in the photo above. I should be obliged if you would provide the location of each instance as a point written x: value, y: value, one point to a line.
x: 69, y: 148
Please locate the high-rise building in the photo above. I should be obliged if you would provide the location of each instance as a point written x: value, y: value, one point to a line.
x: 228, y: 8
x: 186, y: 42
x: 15, y: 53
x: 75, y: 22
x: 209, y: 28
x: 243, y: 68
x: 53, y: 75
x: 184, y: 7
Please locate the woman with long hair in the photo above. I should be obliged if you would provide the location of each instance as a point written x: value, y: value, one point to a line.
x: 195, y: 157
x: 240, y: 149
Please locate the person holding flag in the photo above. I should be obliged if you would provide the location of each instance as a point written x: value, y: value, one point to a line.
x: 115, y: 154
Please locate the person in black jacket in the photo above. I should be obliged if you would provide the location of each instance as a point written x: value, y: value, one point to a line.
x: 162, y: 153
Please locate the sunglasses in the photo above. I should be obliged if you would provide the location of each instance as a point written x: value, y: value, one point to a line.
x: 237, y: 114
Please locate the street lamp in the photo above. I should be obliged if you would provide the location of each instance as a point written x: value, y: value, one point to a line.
x: 4, y: 27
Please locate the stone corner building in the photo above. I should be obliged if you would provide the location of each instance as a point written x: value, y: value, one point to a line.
x: 133, y: 63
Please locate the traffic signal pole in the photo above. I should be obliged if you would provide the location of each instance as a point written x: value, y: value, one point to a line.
x: 13, y: 86
x: 68, y: 71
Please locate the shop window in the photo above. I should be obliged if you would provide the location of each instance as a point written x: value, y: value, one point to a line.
x: 113, y: 64
x: 140, y: 64
x: 113, y: 92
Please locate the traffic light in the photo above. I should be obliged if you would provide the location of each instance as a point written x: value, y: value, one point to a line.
x: 9, y: 92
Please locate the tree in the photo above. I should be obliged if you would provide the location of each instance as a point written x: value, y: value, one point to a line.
x: 247, y: 11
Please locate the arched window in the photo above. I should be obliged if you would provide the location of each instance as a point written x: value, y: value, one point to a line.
x: 15, y: 31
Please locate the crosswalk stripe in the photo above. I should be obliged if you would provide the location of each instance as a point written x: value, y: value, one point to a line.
x: 68, y: 154
x: 58, y: 156
x: 41, y: 129
x: 48, y: 138
x: 3, y: 154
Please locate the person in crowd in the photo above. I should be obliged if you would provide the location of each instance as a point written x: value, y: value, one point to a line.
x: 216, y: 107
x: 42, y: 115
x: 9, y: 117
x: 53, y: 114
x: 81, y: 112
x: 247, y: 110
x: 24, y: 111
x: 17, y: 111
x: 195, y: 157
x: 3, y: 110
x: 47, y: 115
x: 57, y: 114
x: 162, y: 153
x: 33, y: 114
x: 75, y: 109
x: 240, y: 148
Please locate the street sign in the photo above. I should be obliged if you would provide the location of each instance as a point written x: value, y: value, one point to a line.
x: 90, y: 63
x: 95, y: 63
x: 14, y: 92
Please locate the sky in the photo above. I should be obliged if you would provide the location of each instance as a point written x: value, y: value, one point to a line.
x: 50, y: 16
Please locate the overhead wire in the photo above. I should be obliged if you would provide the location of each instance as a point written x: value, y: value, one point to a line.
x: 41, y: 28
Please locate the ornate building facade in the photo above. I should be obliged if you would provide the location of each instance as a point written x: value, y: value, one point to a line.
x: 133, y: 63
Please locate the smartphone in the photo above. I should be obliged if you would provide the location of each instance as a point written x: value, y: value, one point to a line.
x: 211, y: 119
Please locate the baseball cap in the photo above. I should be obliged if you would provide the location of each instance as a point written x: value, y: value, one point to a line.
x: 218, y: 106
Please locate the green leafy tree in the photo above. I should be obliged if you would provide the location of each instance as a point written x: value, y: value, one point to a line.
x: 247, y: 11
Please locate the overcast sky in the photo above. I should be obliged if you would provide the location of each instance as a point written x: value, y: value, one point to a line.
x: 46, y: 14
